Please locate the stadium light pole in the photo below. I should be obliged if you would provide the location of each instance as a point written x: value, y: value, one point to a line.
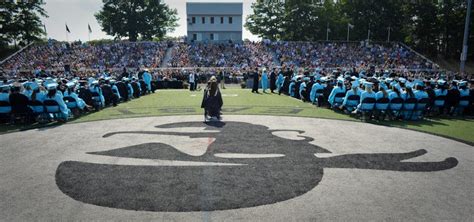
x: 388, y: 37
x: 466, y: 37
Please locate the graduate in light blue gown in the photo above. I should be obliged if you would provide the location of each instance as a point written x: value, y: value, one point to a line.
x: 38, y: 94
x: 54, y: 94
x: 5, y: 93
x: 367, y: 93
x: 420, y: 93
x: 264, y: 80
x: 302, y: 88
x: 279, y: 82
x: 291, y: 88
x: 129, y: 87
x: 115, y: 89
x: 28, y: 86
x: 463, y: 92
x: 313, y: 96
x: 5, y: 97
x: 339, y: 88
x: 94, y: 87
x: 383, y: 91
x: 147, y: 79
x: 350, y: 105
x: 71, y: 92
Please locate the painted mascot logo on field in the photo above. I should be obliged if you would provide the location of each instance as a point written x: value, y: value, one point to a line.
x: 257, y: 168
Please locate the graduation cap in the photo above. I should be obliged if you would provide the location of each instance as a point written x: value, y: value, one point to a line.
x: 409, y: 84
x: 70, y: 84
x: 419, y: 84
x: 402, y: 80
x: 355, y: 84
x: 463, y: 83
x: 368, y: 84
x: 383, y: 86
x: 5, y: 87
x: 95, y: 82
x: 323, y: 79
x: 340, y: 79
x: 441, y: 82
x: 306, y: 78
x: 51, y: 86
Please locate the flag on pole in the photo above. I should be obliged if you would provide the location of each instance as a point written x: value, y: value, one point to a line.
x: 351, y: 26
x: 67, y: 29
x: 89, y: 27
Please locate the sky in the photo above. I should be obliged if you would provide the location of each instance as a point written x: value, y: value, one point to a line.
x: 78, y: 13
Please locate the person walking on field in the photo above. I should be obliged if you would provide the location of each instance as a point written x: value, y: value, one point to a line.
x: 264, y: 80
x: 255, y: 81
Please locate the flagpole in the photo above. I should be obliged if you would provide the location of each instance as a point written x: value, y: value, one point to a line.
x: 368, y: 35
x: 388, y: 38
x: 348, y: 32
x: 327, y: 32
x: 67, y: 36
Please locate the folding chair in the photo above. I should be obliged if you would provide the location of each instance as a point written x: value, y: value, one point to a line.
x: 338, y: 99
x: 409, y: 107
x: 38, y: 110
x: 52, y: 107
x: 71, y: 103
x: 366, y: 107
x: 395, y: 106
x: 352, y: 102
x: 421, y: 107
x: 5, y: 110
x: 381, y: 107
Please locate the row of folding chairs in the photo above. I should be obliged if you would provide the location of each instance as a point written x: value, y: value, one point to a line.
x: 38, y: 108
x: 396, y: 105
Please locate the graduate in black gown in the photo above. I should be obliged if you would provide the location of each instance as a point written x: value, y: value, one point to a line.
x: 255, y: 81
x: 273, y: 76
x: 212, y: 100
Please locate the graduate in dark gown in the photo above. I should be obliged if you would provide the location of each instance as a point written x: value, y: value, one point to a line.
x: 212, y: 100
x: 273, y: 76
x: 255, y: 80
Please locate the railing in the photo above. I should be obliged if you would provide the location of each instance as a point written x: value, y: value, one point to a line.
x: 14, y: 54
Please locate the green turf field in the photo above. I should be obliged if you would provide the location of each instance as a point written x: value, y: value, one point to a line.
x: 242, y: 102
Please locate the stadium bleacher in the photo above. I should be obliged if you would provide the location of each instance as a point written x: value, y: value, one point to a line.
x: 125, y: 69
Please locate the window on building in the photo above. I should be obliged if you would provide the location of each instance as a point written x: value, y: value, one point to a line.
x: 212, y: 20
x: 195, y: 36
x: 230, y: 20
x: 193, y: 20
x: 222, y: 20
x: 203, y: 19
x: 212, y: 36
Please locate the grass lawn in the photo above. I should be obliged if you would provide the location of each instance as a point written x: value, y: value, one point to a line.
x: 242, y: 102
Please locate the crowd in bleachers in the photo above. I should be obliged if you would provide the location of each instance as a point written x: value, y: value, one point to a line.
x: 96, y: 75
x: 83, y: 56
x: 375, y: 94
x: 332, y: 55
x: 236, y: 55
x: 51, y: 98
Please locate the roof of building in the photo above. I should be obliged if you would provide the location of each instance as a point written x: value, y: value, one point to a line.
x: 214, y: 8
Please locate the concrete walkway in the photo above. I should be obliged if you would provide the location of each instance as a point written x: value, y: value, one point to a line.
x: 250, y: 168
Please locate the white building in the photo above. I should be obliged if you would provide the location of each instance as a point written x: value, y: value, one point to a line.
x: 208, y: 21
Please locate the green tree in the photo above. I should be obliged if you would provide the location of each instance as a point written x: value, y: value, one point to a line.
x: 28, y: 21
x: 20, y: 21
x: 422, y: 27
x: 267, y: 19
x: 146, y: 19
x: 7, y: 26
